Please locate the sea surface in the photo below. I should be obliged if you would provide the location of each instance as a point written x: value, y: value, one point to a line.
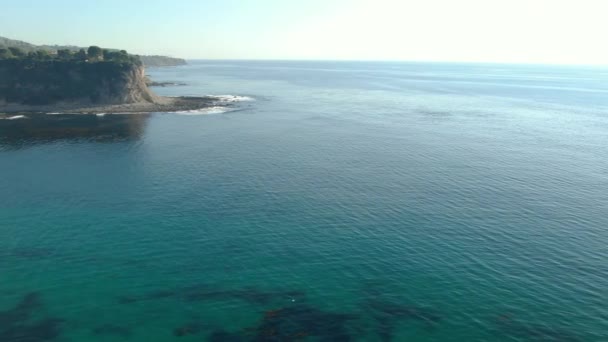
x: 320, y: 201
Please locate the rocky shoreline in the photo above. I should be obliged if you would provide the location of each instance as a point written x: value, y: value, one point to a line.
x: 161, y: 104
x: 165, y: 84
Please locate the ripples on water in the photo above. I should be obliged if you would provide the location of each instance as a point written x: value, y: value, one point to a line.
x: 349, y: 201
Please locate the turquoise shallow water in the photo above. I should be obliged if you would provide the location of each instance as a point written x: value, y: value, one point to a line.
x: 349, y: 201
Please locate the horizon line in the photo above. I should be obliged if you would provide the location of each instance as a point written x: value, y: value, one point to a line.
x: 393, y: 61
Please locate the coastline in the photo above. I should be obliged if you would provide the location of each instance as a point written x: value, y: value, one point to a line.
x: 163, y: 104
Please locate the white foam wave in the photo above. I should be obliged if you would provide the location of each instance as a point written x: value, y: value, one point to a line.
x: 222, y: 104
x: 16, y: 117
x: 232, y: 98
x: 206, y: 111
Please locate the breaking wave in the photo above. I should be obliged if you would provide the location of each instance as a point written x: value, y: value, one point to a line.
x: 207, y: 111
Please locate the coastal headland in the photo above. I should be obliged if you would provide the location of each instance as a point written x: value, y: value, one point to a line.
x: 87, y: 81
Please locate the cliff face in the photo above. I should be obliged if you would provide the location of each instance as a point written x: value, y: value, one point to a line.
x: 52, y: 82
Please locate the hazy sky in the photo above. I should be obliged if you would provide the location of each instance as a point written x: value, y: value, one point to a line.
x: 530, y: 31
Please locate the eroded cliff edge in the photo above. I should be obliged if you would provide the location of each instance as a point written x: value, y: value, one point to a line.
x: 105, y: 83
x: 44, y: 83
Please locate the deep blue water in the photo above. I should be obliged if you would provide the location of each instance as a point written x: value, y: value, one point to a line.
x: 348, y: 201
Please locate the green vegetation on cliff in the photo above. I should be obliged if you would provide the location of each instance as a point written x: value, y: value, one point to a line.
x: 161, y: 61
x: 25, y: 48
x: 92, y: 55
x: 92, y: 76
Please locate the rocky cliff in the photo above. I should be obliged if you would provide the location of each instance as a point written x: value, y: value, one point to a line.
x: 60, y: 82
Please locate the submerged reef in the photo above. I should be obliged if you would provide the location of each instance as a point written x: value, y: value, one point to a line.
x: 301, y: 321
x: 387, y: 315
x: 284, y: 315
x: 293, y: 323
x: 191, y: 328
x: 224, y: 336
x: 31, y: 253
x: 23, y: 324
x: 206, y: 293
x: 295, y: 320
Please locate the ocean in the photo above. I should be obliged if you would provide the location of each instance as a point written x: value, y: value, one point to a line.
x: 320, y: 201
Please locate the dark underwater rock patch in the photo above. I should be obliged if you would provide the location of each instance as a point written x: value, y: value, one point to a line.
x: 191, y: 328
x: 18, y: 324
x: 154, y: 295
x: 207, y: 293
x: 32, y: 253
x: 388, y: 314
x: 297, y: 320
x: 224, y: 336
x: 293, y: 323
x: 250, y: 295
x: 301, y: 321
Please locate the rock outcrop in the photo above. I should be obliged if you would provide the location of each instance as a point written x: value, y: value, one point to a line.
x: 38, y: 83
